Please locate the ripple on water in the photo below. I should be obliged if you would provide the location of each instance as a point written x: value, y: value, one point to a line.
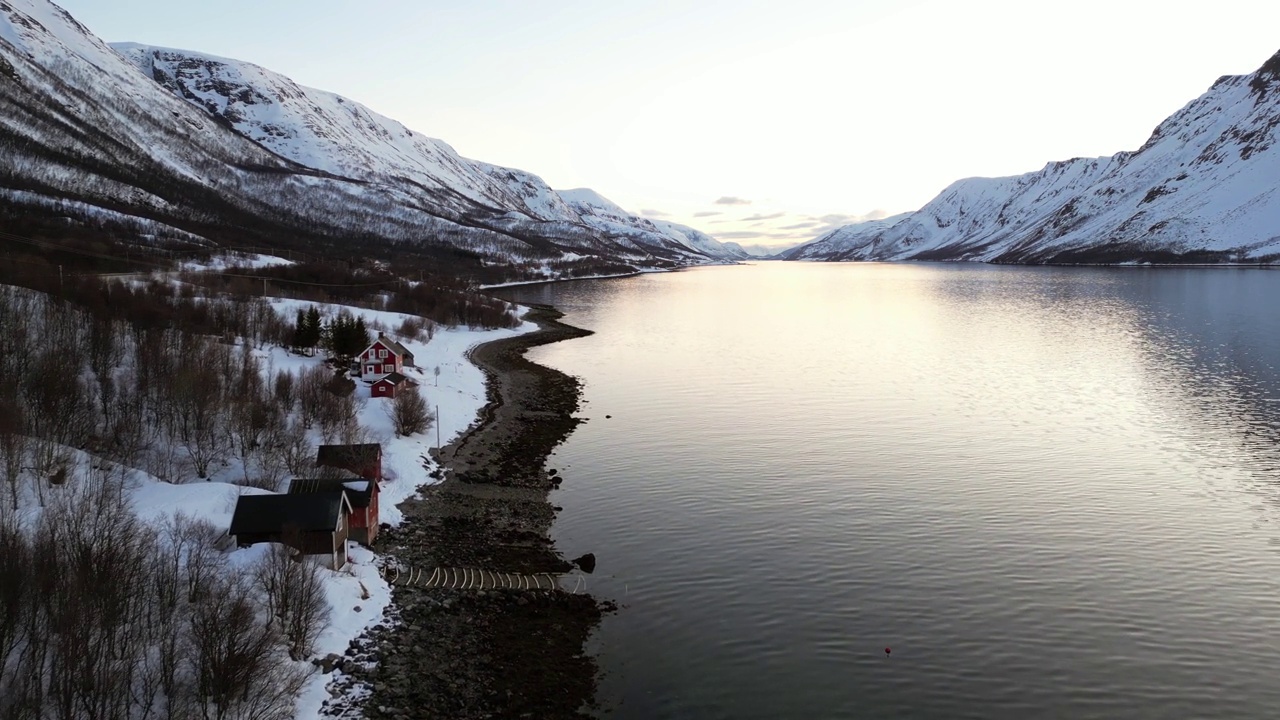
x: 1050, y: 491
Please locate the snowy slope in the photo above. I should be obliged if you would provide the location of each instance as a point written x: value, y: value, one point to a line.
x: 605, y: 215
x: 328, y: 132
x: 194, y: 147
x: 1203, y: 188
x: 82, y: 128
x: 702, y: 242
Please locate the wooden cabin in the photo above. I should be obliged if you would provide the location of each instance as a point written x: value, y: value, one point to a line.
x: 312, y: 523
x: 361, y: 493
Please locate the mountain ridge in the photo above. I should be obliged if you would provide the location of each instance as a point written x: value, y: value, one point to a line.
x: 1200, y: 189
x: 179, y: 145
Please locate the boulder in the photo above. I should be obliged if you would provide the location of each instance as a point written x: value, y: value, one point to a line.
x: 586, y: 563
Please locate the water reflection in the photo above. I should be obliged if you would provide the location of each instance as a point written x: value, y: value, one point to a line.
x: 1048, y: 489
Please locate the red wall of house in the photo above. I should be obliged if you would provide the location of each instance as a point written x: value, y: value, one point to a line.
x: 371, y: 356
x: 360, y: 518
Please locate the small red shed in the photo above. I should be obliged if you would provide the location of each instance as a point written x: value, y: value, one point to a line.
x: 388, y: 385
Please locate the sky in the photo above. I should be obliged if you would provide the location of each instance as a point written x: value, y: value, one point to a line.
x: 759, y: 122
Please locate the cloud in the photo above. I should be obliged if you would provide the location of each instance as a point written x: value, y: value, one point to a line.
x: 762, y: 235
x: 740, y: 235
x: 801, y: 226
x: 841, y: 219
x: 759, y: 217
x: 836, y: 219
x: 654, y: 213
x: 708, y: 213
x: 730, y: 200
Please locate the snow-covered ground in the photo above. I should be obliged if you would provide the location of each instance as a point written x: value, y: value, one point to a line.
x: 640, y: 271
x: 357, y: 595
x: 219, y: 263
x: 456, y: 400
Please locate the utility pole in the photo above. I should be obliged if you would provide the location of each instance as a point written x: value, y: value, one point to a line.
x: 437, y: 428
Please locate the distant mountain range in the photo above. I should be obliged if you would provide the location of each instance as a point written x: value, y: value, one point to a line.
x: 180, y: 145
x: 1204, y: 188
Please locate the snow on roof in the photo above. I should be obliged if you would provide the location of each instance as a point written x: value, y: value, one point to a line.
x: 358, y: 491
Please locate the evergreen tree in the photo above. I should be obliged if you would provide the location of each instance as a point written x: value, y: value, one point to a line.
x: 313, y: 327
x: 346, y: 336
x: 300, y: 330
x: 306, y: 333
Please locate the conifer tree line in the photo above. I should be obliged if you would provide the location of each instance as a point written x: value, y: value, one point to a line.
x: 307, y: 329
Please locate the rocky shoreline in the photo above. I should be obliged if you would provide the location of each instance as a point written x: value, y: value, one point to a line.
x: 463, y: 654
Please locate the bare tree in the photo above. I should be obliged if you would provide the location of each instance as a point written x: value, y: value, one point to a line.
x: 295, y: 595
x: 285, y: 392
x: 237, y: 673
x: 299, y: 453
x: 409, y: 413
x: 104, y: 354
x: 197, y: 397
x: 312, y: 394
x: 13, y: 447
x: 273, y: 461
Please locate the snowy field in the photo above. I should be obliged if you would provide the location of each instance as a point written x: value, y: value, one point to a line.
x: 357, y: 595
x: 406, y: 461
x: 219, y: 263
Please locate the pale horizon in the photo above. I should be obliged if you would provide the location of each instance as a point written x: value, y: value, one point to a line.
x: 759, y: 123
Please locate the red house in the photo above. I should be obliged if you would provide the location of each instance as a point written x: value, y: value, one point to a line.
x: 361, y: 493
x: 388, y: 385
x: 383, y: 357
x: 361, y: 460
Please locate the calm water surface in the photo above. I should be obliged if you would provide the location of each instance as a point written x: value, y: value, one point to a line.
x: 1053, y: 492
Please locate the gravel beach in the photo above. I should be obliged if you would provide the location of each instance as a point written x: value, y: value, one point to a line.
x: 491, y: 653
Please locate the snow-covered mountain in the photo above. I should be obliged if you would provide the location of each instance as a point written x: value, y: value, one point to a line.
x: 180, y: 144
x: 604, y: 214
x: 1204, y: 188
x: 328, y: 132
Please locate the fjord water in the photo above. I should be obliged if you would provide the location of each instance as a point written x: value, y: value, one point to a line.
x: 1053, y: 492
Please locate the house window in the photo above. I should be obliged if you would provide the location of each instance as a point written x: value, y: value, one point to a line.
x: 388, y: 368
x: 371, y: 370
x: 382, y: 353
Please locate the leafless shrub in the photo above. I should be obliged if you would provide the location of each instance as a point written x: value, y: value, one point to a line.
x: 413, y: 328
x: 13, y: 448
x: 312, y: 394
x: 284, y: 391
x: 234, y: 656
x: 409, y: 412
x: 298, y: 452
x: 294, y: 589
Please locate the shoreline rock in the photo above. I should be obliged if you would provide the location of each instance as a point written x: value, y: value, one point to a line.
x: 462, y: 654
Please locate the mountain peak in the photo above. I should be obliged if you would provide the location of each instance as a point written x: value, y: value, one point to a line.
x: 1201, y: 190
x: 1267, y: 76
